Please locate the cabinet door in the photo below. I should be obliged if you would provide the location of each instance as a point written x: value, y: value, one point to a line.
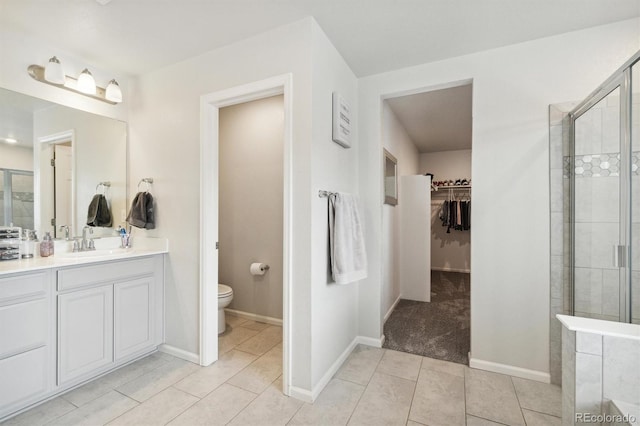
x: 85, y: 332
x: 134, y: 321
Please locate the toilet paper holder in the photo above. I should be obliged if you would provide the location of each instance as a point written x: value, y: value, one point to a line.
x: 258, y: 268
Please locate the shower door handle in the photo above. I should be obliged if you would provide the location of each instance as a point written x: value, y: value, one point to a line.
x: 619, y: 256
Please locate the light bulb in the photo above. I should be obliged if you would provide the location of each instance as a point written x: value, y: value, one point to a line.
x: 86, y: 83
x: 53, y: 71
x: 113, y: 92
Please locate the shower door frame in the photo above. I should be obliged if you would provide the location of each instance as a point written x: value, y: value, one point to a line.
x: 622, y: 253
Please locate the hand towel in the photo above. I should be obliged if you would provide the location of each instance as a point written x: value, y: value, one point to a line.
x: 138, y: 212
x: 141, y: 214
x: 347, y: 249
x: 148, y: 204
x: 99, y: 213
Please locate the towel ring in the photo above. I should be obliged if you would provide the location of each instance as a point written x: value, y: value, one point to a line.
x: 148, y: 181
x: 104, y: 185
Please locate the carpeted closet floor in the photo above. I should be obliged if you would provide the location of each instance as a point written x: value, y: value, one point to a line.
x: 437, y: 329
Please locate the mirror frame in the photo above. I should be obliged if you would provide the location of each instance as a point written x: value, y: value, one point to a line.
x: 390, y: 172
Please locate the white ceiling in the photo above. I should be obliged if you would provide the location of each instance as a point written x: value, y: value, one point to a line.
x: 436, y: 121
x: 136, y: 36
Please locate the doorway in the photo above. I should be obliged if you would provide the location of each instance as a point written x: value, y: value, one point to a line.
x: 211, y: 106
x: 54, y: 183
x: 430, y: 132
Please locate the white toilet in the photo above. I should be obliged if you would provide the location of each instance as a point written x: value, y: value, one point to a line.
x: 225, y: 296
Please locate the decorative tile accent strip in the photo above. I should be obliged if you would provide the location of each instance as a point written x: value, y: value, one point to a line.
x: 599, y: 165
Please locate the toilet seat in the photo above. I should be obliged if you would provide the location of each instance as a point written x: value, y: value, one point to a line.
x: 224, y: 290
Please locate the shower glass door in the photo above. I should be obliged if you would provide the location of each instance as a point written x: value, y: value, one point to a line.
x: 597, y: 230
x: 635, y: 193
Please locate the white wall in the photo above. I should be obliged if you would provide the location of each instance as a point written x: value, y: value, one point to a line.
x: 16, y: 157
x: 251, y: 163
x: 166, y: 115
x: 452, y: 251
x: 447, y: 164
x: 510, y: 297
x: 335, y: 307
x: 396, y: 140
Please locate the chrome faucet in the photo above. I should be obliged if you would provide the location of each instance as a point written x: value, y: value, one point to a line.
x: 86, y: 244
x: 65, y: 228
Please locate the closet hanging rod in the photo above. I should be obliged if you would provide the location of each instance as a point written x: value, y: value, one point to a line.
x: 454, y: 187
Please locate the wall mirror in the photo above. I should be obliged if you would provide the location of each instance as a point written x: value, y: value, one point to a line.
x: 390, y: 179
x: 52, y: 161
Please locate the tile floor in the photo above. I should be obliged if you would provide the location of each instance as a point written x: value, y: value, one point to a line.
x: 373, y: 387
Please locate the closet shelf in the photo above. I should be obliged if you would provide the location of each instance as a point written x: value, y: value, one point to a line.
x: 437, y: 188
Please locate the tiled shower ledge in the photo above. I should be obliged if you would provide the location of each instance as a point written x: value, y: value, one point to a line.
x: 606, y: 328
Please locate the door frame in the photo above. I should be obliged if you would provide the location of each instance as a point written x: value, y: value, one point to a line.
x: 56, y: 138
x: 210, y: 105
x: 407, y: 92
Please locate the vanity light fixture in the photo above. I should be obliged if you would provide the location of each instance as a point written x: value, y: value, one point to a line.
x: 113, y: 93
x: 53, y: 71
x: 85, y: 84
x: 10, y: 140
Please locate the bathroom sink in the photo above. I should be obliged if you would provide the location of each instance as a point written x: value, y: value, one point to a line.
x: 94, y: 254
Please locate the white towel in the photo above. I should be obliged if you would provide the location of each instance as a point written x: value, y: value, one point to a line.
x: 348, y: 254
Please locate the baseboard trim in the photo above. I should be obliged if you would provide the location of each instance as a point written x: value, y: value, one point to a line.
x: 370, y: 341
x: 255, y: 317
x: 511, y: 370
x: 464, y: 271
x: 301, y: 394
x: 180, y: 353
x: 390, y: 311
x: 326, y: 378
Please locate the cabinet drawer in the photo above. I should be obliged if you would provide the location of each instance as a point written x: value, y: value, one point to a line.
x: 103, y: 273
x: 24, y: 376
x: 22, y: 286
x: 23, y: 326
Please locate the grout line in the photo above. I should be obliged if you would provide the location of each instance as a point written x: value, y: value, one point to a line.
x: 489, y: 420
x: 513, y: 385
x: 464, y: 383
x: 415, y: 388
x: 296, y: 413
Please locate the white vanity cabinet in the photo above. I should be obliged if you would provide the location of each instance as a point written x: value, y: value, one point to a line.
x: 26, y: 340
x: 107, y: 313
x: 66, y: 324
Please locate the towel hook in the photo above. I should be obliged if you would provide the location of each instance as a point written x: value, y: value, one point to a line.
x: 148, y: 181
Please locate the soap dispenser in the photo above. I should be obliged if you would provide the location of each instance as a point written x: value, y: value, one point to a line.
x: 46, y: 246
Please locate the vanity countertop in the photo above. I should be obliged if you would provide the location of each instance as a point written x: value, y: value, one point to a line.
x: 106, y: 251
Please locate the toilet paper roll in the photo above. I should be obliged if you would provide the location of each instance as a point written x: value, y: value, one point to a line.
x: 258, y: 268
